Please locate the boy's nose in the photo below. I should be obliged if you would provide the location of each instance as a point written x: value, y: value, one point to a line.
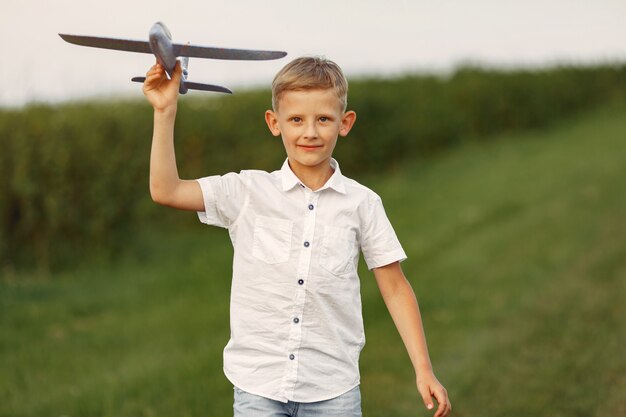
x: 310, y: 131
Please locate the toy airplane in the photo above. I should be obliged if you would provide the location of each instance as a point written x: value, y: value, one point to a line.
x: 160, y: 44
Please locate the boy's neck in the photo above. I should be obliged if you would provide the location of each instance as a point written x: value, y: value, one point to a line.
x: 313, y: 177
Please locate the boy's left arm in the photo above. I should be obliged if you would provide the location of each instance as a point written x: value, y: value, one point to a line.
x: 402, y: 305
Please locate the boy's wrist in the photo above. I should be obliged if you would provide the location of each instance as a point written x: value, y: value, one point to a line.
x: 424, y: 369
x: 169, y: 111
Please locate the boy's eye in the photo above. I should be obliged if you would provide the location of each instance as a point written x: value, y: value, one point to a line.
x: 324, y: 119
x: 296, y: 119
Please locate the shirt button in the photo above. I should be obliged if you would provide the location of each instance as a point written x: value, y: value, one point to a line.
x: 296, y: 320
x: 300, y: 281
x: 292, y: 356
x: 311, y: 206
x: 306, y: 244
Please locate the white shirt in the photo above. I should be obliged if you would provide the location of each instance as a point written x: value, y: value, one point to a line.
x: 296, y: 328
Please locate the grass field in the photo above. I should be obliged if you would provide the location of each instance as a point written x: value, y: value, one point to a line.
x: 517, y: 253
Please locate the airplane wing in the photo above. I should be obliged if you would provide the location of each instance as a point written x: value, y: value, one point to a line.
x: 108, y: 43
x: 194, y: 86
x: 166, y: 51
x: 196, y: 51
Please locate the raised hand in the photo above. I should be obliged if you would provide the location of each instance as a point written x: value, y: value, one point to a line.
x: 160, y: 91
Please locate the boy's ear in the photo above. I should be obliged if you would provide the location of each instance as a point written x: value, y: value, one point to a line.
x: 347, y: 121
x: 272, y: 122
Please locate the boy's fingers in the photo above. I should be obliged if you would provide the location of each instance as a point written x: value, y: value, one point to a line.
x: 425, y: 393
x: 153, y: 70
x: 444, y: 403
x: 441, y: 410
x: 152, y: 80
x: 178, y: 72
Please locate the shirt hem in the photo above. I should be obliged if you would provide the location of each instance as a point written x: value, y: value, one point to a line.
x: 245, y: 388
x: 285, y: 400
x: 207, y: 198
x: 331, y: 396
x: 397, y: 256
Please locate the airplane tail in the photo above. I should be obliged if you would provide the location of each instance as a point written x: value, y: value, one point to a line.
x: 184, y: 62
x: 207, y: 87
x: 193, y: 86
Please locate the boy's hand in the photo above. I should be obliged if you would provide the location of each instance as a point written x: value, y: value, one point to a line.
x: 160, y: 91
x: 428, y: 387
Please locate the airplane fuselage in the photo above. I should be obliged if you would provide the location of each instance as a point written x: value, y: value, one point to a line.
x: 160, y: 40
x: 161, y: 44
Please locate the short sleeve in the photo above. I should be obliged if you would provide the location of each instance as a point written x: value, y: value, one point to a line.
x: 224, y: 198
x: 379, y: 243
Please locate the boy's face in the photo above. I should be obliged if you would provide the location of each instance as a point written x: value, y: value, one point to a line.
x: 309, y: 122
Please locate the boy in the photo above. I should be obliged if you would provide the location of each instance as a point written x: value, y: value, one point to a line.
x: 296, y: 324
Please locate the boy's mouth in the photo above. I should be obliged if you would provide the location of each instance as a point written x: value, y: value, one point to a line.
x: 309, y: 147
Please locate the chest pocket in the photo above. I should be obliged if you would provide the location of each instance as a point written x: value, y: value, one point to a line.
x: 338, y: 250
x: 272, y: 239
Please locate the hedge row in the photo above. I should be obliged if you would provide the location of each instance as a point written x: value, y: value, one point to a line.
x: 75, y: 176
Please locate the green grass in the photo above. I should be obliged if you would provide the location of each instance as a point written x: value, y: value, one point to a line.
x: 517, y: 253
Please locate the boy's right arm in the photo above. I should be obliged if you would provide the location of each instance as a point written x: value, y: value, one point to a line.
x: 166, y: 187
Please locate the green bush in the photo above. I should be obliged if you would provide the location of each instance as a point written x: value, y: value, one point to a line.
x: 74, y: 177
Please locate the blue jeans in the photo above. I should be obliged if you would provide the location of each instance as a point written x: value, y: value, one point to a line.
x: 250, y: 405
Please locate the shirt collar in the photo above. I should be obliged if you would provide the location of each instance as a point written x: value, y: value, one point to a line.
x: 336, y: 181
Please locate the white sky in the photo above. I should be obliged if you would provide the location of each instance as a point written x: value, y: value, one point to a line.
x: 363, y: 36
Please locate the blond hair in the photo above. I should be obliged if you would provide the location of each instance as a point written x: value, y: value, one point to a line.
x: 310, y: 73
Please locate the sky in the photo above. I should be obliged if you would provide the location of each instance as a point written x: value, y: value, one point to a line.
x: 365, y: 37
